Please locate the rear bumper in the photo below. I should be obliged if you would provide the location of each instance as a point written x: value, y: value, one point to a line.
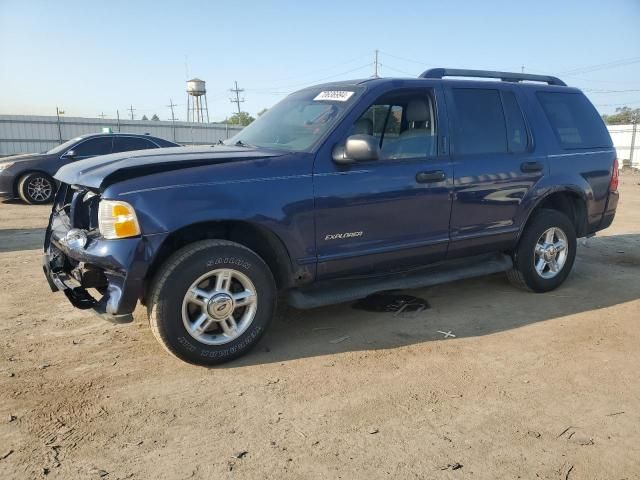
x: 610, y: 211
x: 115, y: 269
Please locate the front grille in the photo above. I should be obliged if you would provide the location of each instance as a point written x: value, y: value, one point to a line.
x: 79, y: 205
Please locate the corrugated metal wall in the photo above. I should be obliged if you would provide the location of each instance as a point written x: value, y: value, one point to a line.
x: 622, y: 136
x: 27, y: 134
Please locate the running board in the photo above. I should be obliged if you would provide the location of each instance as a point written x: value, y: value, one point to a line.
x: 342, y: 291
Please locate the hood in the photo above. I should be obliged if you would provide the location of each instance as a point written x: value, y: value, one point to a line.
x: 21, y: 158
x: 100, y: 172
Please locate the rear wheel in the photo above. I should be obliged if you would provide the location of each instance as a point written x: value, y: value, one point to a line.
x: 36, y: 188
x: 211, y: 302
x: 546, y: 252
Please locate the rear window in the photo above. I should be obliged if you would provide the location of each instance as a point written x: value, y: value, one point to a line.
x: 574, y: 120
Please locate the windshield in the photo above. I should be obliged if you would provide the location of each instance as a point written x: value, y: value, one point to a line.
x: 299, y: 121
x: 64, y: 146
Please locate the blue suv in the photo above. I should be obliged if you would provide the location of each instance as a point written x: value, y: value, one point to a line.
x: 338, y: 191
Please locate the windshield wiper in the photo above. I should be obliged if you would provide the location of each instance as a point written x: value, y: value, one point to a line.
x: 240, y: 143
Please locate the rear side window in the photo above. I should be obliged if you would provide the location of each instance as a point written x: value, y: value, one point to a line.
x: 574, y: 120
x: 517, y: 138
x: 480, y: 126
x: 126, y: 144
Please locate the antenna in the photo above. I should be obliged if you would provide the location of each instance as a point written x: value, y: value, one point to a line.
x: 237, y: 100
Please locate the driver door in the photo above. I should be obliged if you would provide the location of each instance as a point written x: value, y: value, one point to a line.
x: 393, y: 213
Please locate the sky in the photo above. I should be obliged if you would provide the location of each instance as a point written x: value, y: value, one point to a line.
x: 95, y: 57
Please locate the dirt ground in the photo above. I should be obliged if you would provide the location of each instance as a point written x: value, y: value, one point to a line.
x: 531, y: 386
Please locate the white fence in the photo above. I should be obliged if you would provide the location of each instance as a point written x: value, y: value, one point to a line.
x: 27, y: 134
x: 627, y: 144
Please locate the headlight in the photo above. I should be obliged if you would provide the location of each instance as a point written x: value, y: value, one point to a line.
x: 5, y: 165
x: 117, y: 220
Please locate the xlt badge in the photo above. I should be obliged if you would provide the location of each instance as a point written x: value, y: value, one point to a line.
x: 334, y: 236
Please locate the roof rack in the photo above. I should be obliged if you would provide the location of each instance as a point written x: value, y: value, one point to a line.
x: 504, y: 76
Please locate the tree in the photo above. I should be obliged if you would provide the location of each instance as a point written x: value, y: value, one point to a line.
x: 144, y: 117
x: 155, y: 118
x: 623, y: 115
x: 262, y: 112
x: 242, y: 118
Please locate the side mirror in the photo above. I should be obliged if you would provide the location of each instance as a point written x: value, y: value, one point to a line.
x: 357, y: 148
x: 71, y: 154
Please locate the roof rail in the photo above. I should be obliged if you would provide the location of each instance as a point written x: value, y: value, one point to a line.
x: 504, y: 76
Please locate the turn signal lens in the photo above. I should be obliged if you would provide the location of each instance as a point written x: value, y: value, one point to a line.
x: 117, y: 220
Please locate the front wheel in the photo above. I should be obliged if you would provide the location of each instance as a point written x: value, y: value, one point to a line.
x: 546, y: 252
x: 211, y: 302
x: 36, y: 188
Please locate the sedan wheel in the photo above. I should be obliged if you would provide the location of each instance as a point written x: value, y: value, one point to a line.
x: 36, y: 188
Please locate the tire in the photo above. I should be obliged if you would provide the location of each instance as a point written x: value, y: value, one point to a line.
x: 37, y: 188
x: 189, y: 305
x: 533, y: 250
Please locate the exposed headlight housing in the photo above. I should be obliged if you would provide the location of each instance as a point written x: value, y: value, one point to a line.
x: 5, y: 165
x: 117, y: 219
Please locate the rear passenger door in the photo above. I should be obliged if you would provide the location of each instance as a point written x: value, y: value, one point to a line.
x: 494, y: 167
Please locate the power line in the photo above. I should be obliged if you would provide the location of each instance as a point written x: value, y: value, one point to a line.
x: 237, y: 91
x: 602, y: 66
x: 284, y: 88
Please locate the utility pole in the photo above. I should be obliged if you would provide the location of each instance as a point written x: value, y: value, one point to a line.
x: 118, y: 117
x: 102, y: 115
x: 237, y: 100
x: 58, y: 112
x: 522, y: 69
x: 131, y: 109
x: 375, y: 66
x: 173, y: 118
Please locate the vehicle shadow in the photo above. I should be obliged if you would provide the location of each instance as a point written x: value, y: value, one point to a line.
x: 606, y: 273
x: 16, y: 239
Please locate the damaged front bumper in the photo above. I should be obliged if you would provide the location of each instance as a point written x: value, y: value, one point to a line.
x: 114, y: 269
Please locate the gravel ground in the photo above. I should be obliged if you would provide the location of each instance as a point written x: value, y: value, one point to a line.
x: 531, y: 386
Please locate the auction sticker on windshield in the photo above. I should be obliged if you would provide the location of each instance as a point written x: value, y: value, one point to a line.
x: 334, y: 95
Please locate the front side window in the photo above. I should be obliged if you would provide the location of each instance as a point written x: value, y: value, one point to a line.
x: 574, y: 120
x: 480, y: 125
x: 298, y: 122
x: 403, y: 123
x: 93, y: 147
x: 126, y: 144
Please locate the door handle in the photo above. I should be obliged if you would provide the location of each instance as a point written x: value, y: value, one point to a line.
x: 431, y: 176
x: 531, y: 166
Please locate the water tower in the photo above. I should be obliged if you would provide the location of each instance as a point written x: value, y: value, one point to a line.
x: 196, y: 109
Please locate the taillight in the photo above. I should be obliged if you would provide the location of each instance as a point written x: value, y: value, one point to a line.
x: 615, y: 177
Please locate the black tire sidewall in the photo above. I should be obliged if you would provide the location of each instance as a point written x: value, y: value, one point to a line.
x: 176, y: 284
x: 24, y: 193
x: 524, y: 258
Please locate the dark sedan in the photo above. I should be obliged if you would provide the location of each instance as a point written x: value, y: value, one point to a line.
x: 30, y: 176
